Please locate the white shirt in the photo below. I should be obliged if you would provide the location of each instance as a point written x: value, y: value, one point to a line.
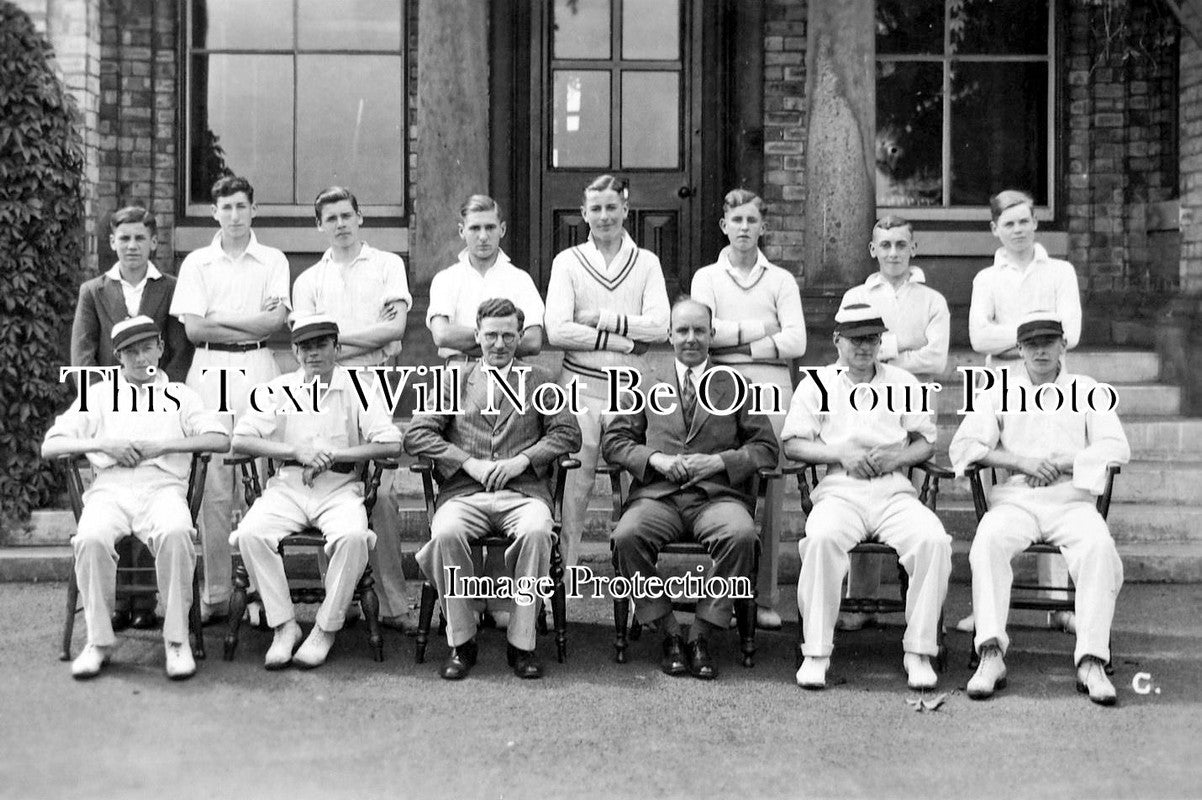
x: 132, y: 293
x: 917, y: 318
x: 841, y: 425
x: 209, y: 280
x: 1093, y: 439
x: 458, y: 290
x: 354, y: 294
x: 1004, y: 294
x: 132, y: 419
x: 341, y: 422
x: 742, y: 304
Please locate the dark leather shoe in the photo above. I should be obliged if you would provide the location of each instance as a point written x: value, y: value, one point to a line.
x: 144, y: 619
x: 460, y: 662
x: 673, y: 662
x: 120, y: 619
x: 525, y: 663
x: 701, y: 663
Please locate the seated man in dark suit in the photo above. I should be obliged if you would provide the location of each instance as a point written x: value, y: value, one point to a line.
x: 691, y: 469
x: 493, y: 470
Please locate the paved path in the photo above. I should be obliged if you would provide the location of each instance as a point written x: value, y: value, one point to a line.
x: 592, y: 728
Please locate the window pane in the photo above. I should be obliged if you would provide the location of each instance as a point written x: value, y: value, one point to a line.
x: 909, y: 26
x: 581, y: 28
x: 650, y: 119
x: 242, y: 25
x: 999, y: 130
x: 909, y: 134
x: 999, y: 26
x: 349, y: 129
x: 651, y: 29
x: 581, y: 134
x: 242, y: 122
x: 349, y: 25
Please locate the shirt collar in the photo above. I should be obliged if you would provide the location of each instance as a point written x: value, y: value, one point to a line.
x: 365, y: 252
x: 160, y: 378
x: 340, y: 379
x: 761, y: 263
x: 253, y: 248
x: 1001, y: 260
x: 697, y: 371
x: 152, y: 273
x: 502, y: 258
x: 627, y: 245
x: 877, y: 279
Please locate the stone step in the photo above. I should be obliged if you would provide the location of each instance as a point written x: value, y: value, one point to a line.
x: 1175, y: 562
x: 1107, y: 365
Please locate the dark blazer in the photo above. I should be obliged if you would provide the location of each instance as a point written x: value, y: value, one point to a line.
x: 450, y: 439
x: 745, y: 442
x: 101, y: 305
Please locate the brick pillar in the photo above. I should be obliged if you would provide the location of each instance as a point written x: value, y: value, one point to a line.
x: 1190, y: 175
x: 784, y: 132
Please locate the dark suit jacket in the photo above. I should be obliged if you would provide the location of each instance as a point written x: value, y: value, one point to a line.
x: 450, y: 439
x: 744, y: 442
x: 101, y: 305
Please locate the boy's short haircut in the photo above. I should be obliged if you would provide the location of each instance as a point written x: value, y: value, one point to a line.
x: 334, y: 194
x: 1009, y: 198
x: 891, y: 221
x: 608, y: 182
x: 123, y: 216
x: 480, y: 204
x: 230, y: 185
x: 741, y: 197
x: 500, y: 307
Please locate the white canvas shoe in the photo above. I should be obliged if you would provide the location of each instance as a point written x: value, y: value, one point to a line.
x: 1091, y: 679
x: 919, y: 673
x: 180, y: 664
x: 990, y: 675
x: 88, y: 663
x: 315, y: 649
x: 279, y: 655
x: 812, y: 674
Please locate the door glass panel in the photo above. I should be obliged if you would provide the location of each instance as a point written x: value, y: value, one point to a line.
x: 351, y: 25
x: 581, y: 129
x: 650, y: 119
x: 991, y: 97
x: 234, y: 25
x: 349, y: 130
x: 651, y: 29
x: 580, y: 28
x: 242, y: 123
x: 909, y: 133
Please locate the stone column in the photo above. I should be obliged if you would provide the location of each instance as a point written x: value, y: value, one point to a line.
x: 452, y: 128
x: 840, y: 191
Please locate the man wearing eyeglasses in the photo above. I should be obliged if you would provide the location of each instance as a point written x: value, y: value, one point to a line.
x: 840, y: 416
x: 493, y: 470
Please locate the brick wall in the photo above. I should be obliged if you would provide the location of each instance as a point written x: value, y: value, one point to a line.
x: 784, y: 131
x: 1119, y: 98
x: 1190, y: 116
x: 138, y: 117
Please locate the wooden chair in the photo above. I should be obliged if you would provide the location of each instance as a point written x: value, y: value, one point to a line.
x: 626, y: 628
x: 928, y: 494
x: 425, y: 468
x: 310, y: 589
x: 1030, y: 592
x: 132, y: 554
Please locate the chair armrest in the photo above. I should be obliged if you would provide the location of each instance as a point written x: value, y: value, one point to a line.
x: 196, y: 482
x: 373, y: 471
x: 70, y: 465
x: 928, y: 494
x: 425, y: 468
x: 936, y: 470
x: 807, y: 479
x: 1103, y: 504
x: 252, y: 489
x: 563, y: 463
x: 617, y: 492
x: 976, y: 482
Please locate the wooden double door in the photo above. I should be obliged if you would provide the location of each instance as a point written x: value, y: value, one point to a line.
x: 644, y: 89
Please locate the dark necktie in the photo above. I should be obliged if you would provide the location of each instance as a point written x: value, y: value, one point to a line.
x: 688, y: 398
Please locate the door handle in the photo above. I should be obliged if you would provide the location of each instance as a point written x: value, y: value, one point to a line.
x: 684, y: 192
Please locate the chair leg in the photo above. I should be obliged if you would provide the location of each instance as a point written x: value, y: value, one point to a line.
x: 72, y: 606
x: 798, y: 655
x: 941, y: 652
x: 559, y: 605
x: 424, y: 615
x: 621, y: 618
x: 370, y: 603
x: 745, y: 619
x: 198, y: 635
x: 237, y: 608
x: 1108, y: 667
x: 974, y: 658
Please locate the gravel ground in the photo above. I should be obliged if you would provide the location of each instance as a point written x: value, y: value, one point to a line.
x: 593, y: 728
